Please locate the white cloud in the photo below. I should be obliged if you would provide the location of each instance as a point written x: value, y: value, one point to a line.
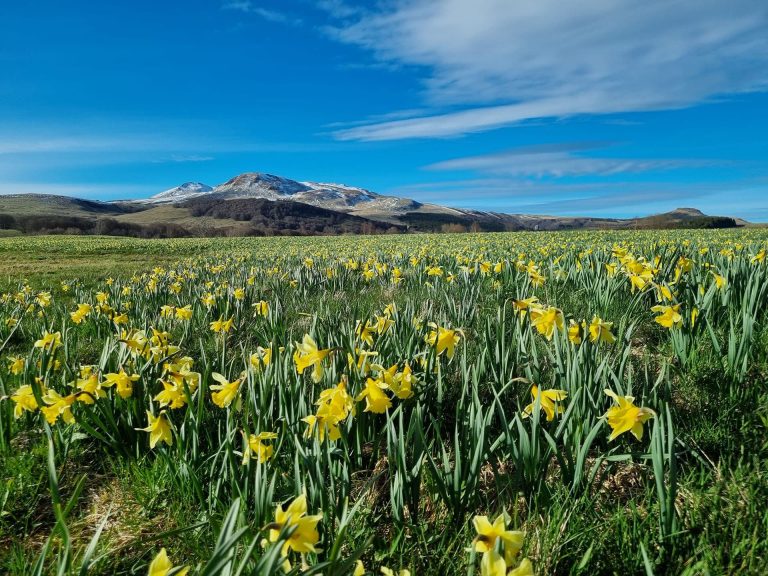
x: 493, y: 63
x: 183, y: 158
x: 55, y: 143
x: 271, y: 15
x: 558, y: 160
x: 338, y: 8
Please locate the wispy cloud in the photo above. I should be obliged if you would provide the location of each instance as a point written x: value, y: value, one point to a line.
x: 339, y: 8
x: 619, y: 198
x: 566, y: 159
x: 44, y: 143
x: 89, y: 190
x: 184, y: 158
x: 248, y: 7
x: 497, y: 62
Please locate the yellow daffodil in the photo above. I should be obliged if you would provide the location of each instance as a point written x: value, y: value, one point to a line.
x: 600, y: 331
x: 122, y: 380
x: 308, y: 354
x: 43, y: 299
x: 402, y: 383
x: 364, y: 331
x: 443, y: 339
x: 226, y: 391
x: 522, y: 306
x: 525, y: 568
x: 162, y: 566
x: 376, y: 400
x: 24, y: 400
x: 626, y: 417
x: 576, y: 331
x: 172, y: 395
x: 82, y: 312
x: 89, y: 386
x: 159, y: 428
x: 167, y: 311
x: 222, y: 326
x: 304, y: 536
x: 50, y: 341
x: 58, y: 406
x: 389, y: 572
x: 551, y: 402
x: 16, y: 365
x: 547, y: 320
x: 668, y: 316
x: 493, y: 564
x: 488, y: 533
x: 321, y: 427
x: 261, y: 308
x: 184, y: 312
x: 260, y: 446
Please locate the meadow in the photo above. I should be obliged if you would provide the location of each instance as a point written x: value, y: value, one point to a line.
x: 496, y: 404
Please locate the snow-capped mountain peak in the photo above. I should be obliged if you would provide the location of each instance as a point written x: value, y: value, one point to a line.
x: 186, y: 190
x: 259, y: 185
x: 340, y: 197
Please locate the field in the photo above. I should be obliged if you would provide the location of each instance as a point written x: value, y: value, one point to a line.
x: 497, y: 404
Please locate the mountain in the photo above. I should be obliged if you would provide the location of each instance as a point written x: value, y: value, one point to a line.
x: 270, y: 187
x: 257, y: 203
x: 186, y: 190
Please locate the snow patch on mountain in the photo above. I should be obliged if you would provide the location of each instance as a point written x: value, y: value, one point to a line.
x: 186, y: 190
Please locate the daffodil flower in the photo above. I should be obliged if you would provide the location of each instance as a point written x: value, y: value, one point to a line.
x: 376, y: 400
x: 50, y: 341
x: 260, y: 446
x: 489, y: 533
x: 600, y: 331
x: 626, y: 417
x: 443, y: 339
x: 162, y: 566
x: 122, y: 381
x: 24, y: 400
x: 222, y: 326
x: 389, y: 572
x: 172, y: 395
x: 550, y: 402
x: 304, y: 536
x: 308, y: 354
x: 159, y: 428
x: 576, y: 331
x: 547, y: 320
x: 226, y: 391
x: 668, y: 316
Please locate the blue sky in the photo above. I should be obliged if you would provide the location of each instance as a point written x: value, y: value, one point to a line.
x: 600, y: 107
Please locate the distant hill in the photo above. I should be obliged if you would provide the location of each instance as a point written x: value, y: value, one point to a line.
x: 257, y: 203
x: 686, y: 218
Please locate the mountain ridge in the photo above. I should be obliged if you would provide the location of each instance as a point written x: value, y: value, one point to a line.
x: 256, y: 203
